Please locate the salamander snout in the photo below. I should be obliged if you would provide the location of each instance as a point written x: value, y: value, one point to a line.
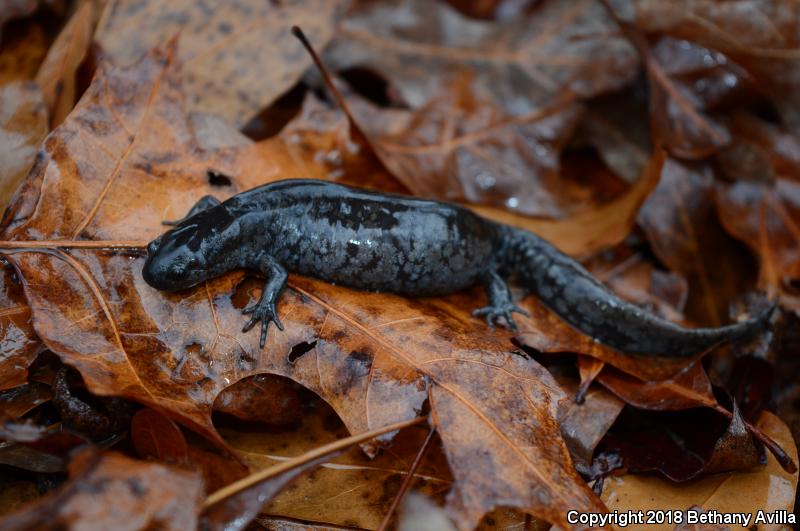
x: 172, y: 265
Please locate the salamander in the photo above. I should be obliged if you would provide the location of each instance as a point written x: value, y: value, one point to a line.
x: 409, y: 246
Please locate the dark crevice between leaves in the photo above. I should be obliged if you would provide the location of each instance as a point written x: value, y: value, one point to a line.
x: 300, y: 349
x: 371, y: 85
x: 216, y: 178
x: 271, y: 120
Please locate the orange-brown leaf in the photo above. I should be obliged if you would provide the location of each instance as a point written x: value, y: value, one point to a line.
x: 237, y: 58
x: 376, y: 360
x: 23, y: 126
x: 111, y: 491
x: 57, y: 73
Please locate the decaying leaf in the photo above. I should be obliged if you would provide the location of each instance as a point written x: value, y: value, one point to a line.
x: 596, y: 228
x: 769, y: 488
x: 23, y: 125
x: 519, y: 65
x: 584, y: 425
x: 459, y: 147
x: 686, y: 389
x: 19, y: 344
x: 57, y: 74
x: 263, y: 398
x: 762, y: 37
x: 681, y: 224
x: 364, y: 487
x: 666, y: 443
x: 24, y: 47
x: 761, y: 204
x: 376, y: 359
x: 236, y: 57
x: 11, y: 9
x: 115, y: 492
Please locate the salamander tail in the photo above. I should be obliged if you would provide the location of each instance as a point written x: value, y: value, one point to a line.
x: 570, y: 291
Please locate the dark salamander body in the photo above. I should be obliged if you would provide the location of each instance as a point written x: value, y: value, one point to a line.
x: 390, y: 243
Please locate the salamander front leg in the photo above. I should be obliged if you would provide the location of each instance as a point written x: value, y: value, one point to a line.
x: 264, y: 309
x: 205, y: 202
x: 500, y: 302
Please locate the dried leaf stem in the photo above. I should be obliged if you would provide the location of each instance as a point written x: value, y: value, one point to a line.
x: 387, y: 519
x: 72, y: 244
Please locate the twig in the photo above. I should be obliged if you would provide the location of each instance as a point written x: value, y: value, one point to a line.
x: 267, y: 473
x: 72, y: 244
x: 407, y: 481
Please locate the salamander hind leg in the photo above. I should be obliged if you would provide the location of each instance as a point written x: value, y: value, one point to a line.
x: 264, y: 310
x: 500, y: 305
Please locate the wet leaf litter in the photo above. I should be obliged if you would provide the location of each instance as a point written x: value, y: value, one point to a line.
x: 693, y: 223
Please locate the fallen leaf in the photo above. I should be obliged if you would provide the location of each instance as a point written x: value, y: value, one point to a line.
x: 111, y: 491
x: 682, y: 446
x: 518, y: 65
x: 769, y: 488
x: 157, y: 437
x: 682, y: 129
x: 19, y: 344
x: 234, y: 506
x: 616, y: 125
x: 236, y: 58
x: 584, y: 425
x: 318, y: 143
x: 377, y: 357
x: 235, y: 513
x: 637, y: 280
x: 762, y: 37
x: 761, y: 207
x: 595, y: 229
x: 56, y: 75
x: 20, y: 400
x: 262, y: 398
x: 154, y: 435
x: 459, y: 147
x: 351, y: 489
x: 23, y: 126
x: 15, y: 492
x: 24, y: 47
x: 11, y: 9
x: 686, y: 389
x: 681, y: 223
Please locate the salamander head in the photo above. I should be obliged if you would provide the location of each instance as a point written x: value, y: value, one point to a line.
x: 172, y: 264
x: 198, y: 249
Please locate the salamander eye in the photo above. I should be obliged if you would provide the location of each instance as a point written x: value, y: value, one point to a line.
x: 152, y: 247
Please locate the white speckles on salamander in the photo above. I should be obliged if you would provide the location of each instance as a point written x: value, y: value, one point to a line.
x: 390, y: 243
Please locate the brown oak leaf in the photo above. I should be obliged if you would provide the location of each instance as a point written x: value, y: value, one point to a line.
x: 124, y: 160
